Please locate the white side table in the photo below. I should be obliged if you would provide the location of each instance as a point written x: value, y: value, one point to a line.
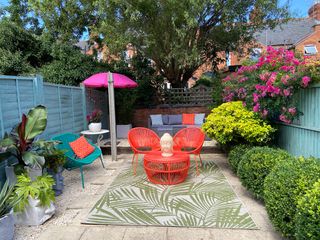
x: 99, y: 138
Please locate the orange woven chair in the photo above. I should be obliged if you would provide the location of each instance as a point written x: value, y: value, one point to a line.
x: 142, y: 140
x: 189, y: 140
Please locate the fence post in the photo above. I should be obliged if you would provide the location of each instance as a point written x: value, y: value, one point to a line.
x: 38, y: 82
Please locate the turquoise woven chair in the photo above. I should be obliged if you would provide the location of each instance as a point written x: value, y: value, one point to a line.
x: 72, y: 161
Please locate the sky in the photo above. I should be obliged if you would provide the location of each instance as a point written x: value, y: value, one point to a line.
x: 298, y: 7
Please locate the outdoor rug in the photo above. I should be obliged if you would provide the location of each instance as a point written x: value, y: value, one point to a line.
x: 205, y: 201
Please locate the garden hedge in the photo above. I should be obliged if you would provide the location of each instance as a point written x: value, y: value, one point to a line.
x: 284, y: 186
x: 236, y: 154
x: 256, y: 164
x: 308, y: 215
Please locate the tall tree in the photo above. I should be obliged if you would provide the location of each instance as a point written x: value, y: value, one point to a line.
x: 178, y: 35
x: 66, y: 20
x: 19, y: 12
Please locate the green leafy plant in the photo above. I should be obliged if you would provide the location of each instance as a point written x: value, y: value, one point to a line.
x: 284, y: 186
x: 5, y: 203
x: 235, y: 155
x: 232, y: 123
x: 55, y: 159
x: 308, y: 215
x: 40, y: 189
x: 256, y: 164
x: 20, y: 142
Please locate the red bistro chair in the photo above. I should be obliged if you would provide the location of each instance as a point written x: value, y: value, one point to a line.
x: 189, y: 140
x: 142, y: 141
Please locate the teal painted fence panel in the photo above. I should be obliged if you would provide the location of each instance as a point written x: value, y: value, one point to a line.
x: 66, y: 104
x: 303, y: 137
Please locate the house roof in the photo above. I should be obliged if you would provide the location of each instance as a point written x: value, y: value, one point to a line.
x: 83, y: 45
x: 288, y: 33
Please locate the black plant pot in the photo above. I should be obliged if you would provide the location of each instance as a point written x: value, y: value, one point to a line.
x: 58, y: 179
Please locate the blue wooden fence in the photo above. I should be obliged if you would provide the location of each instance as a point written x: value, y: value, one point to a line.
x: 303, y: 137
x: 66, y: 104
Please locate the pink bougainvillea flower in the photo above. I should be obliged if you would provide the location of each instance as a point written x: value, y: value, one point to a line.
x: 255, y: 97
x: 283, y: 118
x: 292, y: 111
x: 286, y: 92
x: 264, y: 113
x: 284, y: 79
x: 305, y: 81
x: 256, y: 107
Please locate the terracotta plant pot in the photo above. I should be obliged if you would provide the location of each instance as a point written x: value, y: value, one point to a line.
x: 94, y: 127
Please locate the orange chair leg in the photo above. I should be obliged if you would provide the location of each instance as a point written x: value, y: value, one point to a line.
x: 134, y: 155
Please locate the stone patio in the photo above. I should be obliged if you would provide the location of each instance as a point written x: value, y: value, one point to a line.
x: 74, y: 204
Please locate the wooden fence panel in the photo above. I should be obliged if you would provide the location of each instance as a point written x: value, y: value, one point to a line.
x: 303, y: 137
x: 197, y: 96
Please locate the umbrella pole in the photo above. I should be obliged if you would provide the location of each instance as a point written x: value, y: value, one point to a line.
x: 112, y: 116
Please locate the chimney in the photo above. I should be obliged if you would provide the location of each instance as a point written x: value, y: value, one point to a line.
x: 314, y: 11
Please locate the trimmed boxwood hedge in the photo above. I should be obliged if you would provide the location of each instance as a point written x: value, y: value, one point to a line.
x: 256, y: 164
x: 236, y: 154
x: 308, y: 215
x: 284, y: 186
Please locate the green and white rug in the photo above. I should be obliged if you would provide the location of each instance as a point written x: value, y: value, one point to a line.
x: 206, y: 201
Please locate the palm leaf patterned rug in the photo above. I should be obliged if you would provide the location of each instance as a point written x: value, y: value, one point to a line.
x: 205, y: 201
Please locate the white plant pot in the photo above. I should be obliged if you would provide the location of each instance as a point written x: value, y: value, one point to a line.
x: 7, y: 227
x: 122, y: 130
x: 34, y: 214
x: 95, y: 127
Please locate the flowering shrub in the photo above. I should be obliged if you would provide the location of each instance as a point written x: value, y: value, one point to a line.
x: 232, y: 123
x: 95, y: 116
x: 268, y: 86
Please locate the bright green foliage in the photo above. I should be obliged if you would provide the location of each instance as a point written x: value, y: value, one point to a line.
x: 256, y: 164
x: 40, y: 189
x: 5, y: 204
x: 284, y: 186
x: 69, y: 65
x: 13, y: 63
x: 66, y: 20
x: 231, y: 122
x: 235, y: 155
x: 308, y: 215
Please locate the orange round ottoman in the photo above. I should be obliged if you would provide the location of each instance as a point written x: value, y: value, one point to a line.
x: 166, y: 170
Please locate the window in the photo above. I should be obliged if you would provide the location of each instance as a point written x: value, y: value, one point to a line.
x: 310, y: 50
x: 255, y: 53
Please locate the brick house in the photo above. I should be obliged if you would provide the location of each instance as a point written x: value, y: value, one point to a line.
x: 301, y: 35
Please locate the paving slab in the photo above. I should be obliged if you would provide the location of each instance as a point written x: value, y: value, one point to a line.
x: 145, y: 233
x: 189, y: 233
x: 104, y: 233
x: 65, y: 233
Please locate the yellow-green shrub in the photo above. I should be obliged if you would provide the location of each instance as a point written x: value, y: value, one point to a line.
x: 308, y: 214
x: 231, y: 122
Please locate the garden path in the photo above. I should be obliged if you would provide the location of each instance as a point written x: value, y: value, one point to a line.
x: 74, y: 204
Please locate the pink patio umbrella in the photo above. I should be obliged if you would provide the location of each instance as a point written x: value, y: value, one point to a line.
x: 110, y: 80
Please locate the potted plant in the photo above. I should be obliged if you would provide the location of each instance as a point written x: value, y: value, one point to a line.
x: 20, y: 142
x: 124, y: 101
x: 94, y: 120
x: 6, y: 217
x: 54, y: 166
x: 35, y: 205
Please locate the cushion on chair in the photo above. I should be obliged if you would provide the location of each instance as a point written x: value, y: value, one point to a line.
x: 81, y: 147
x: 188, y: 118
x: 156, y: 119
x: 198, y: 118
x: 175, y: 119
